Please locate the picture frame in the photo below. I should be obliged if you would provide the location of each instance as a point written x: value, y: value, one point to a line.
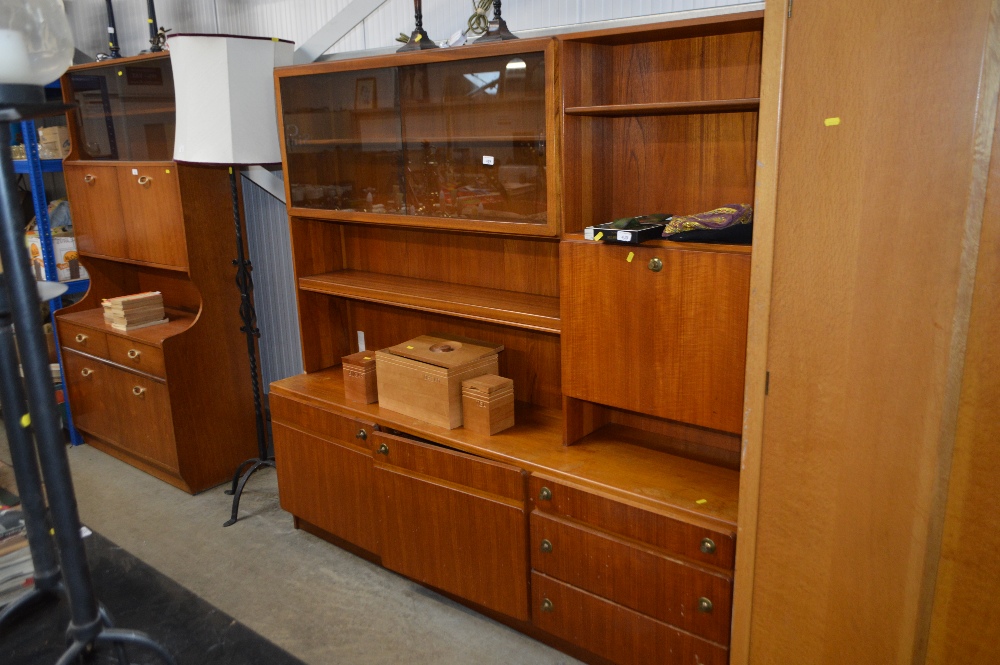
x: 365, y: 94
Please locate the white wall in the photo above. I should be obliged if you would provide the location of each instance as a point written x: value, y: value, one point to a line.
x: 267, y: 224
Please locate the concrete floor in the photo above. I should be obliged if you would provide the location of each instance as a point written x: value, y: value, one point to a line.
x: 315, y: 600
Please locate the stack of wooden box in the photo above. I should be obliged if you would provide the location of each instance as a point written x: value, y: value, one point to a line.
x: 135, y: 311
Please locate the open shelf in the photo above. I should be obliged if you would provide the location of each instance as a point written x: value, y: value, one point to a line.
x: 672, y: 244
x: 666, y: 108
x: 396, y: 141
x: 45, y: 165
x: 180, y: 321
x: 521, y: 310
x: 611, y: 459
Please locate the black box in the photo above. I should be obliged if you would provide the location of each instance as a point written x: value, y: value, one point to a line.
x: 634, y: 236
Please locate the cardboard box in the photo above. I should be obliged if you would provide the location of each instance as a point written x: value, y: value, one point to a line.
x: 53, y: 142
x: 423, y: 377
x: 488, y: 404
x: 67, y: 260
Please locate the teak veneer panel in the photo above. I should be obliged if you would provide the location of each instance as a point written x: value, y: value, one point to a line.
x: 522, y: 310
x: 678, y: 334
x: 603, y: 463
x: 613, y: 631
x: 631, y: 574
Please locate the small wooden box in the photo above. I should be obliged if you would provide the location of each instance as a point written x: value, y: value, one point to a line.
x: 488, y: 404
x: 359, y: 377
x: 423, y: 377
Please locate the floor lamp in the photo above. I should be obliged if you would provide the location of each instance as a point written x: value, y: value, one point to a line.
x: 36, y: 47
x: 224, y: 91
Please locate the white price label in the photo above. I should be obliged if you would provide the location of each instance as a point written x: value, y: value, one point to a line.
x: 111, y: 30
x: 488, y: 160
x: 135, y: 171
x: 588, y: 233
x: 624, y: 236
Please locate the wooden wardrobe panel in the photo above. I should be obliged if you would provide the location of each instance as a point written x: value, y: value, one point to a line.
x: 876, y: 195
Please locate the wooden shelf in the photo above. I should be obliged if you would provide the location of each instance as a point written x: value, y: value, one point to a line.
x: 180, y: 321
x: 666, y: 108
x: 607, y: 460
x: 521, y: 310
x: 394, y: 141
x: 682, y: 246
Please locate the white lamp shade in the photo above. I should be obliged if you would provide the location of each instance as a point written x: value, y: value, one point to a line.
x: 224, y: 90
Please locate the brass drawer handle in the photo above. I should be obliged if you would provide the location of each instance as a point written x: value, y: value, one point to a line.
x: 144, y: 180
x: 138, y: 391
x: 81, y: 338
x: 656, y: 265
x: 707, y: 546
x: 86, y: 371
x: 362, y: 434
x: 704, y: 605
x: 383, y: 449
x: 547, y: 605
x: 546, y: 545
x: 133, y: 353
x: 545, y: 494
x: 89, y: 179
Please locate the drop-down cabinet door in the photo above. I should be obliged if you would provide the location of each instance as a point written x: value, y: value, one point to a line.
x: 453, y: 521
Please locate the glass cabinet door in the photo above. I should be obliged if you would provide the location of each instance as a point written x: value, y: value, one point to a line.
x: 126, y: 112
x: 342, y: 141
x: 474, y: 138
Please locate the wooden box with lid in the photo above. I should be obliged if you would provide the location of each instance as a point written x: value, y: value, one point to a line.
x: 360, y: 384
x: 423, y: 377
x: 488, y: 404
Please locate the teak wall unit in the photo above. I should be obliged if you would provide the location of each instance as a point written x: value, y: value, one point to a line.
x: 172, y: 399
x: 603, y: 522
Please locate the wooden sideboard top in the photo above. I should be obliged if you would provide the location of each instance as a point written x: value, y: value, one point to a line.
x: 94, y: 318
x: 613, y: 460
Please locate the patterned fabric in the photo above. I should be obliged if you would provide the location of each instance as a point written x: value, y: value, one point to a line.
x: 720, y: 218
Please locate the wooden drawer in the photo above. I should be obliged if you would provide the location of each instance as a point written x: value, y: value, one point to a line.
x: 454, y: 522
x: 320, y: 422
x: 136, y: 355
x: 637, y: 577
x: 615, y: 632
x: 85, y: 340
x: 698, y: 543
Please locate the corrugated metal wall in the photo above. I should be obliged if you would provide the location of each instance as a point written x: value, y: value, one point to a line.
x: 267, y: 223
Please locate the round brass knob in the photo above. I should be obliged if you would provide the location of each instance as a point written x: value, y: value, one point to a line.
x: 547, y: 605
x: 383, y: 449
x: 656, y: 265
x: 133, y: 353
x: 545, y: 494
x: 704, y: 605
x: 81, y: 338
x: 144, y: 180
x: 546, y: 545
x: 707, y: 546
x: 89, y: 179
x: 362, y: 434
x: 86, y: 371
x: 138, y: 391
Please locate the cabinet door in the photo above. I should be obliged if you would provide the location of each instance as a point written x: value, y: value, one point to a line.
x: 90, y: 397
x: 154, y: 219
x: 328, y: 481
x: 667, y: 339
x: 146, y: 422
x: 92, y: 191
x: 453, y: 521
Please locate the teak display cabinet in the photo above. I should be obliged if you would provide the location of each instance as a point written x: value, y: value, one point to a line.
x: 170, y: 399
x: 604, y: 521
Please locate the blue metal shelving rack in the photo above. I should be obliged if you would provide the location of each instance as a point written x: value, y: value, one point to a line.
x: 34, y: 167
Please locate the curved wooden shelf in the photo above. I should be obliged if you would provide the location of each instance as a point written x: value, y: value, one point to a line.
x: 666, y: 108
x: 520, y: 310
x: 180, y: 321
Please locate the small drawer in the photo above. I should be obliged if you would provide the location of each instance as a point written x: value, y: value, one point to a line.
x: 637, y: 577
x: 86, y: 340
x: 136, y: 355
x: 615, y: 632
x: 325, y: 424
x: 674, y: 536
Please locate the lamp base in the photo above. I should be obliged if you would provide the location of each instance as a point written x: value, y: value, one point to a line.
x: 419, y: 41
x: 497, y: 32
